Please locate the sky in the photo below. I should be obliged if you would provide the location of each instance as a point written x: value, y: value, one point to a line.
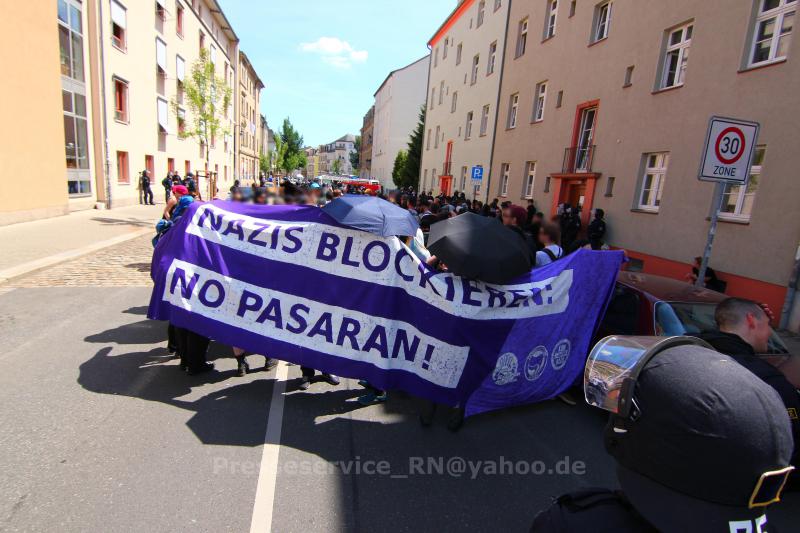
x: 322, y: 61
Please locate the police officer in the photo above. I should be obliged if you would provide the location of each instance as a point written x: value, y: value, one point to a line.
x: 147, y: 192
x: 597, y: 229
x: 701, y: 444
x: 167, y: 184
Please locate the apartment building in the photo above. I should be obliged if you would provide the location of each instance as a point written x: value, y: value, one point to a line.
x: 463, y: 86
x: 397, y: 104
x: 312, y: 163
x: 339, y: 150
x: 37, y: 175
x: 249, y: 95
x: 621, y: 127
x: 365, y: 157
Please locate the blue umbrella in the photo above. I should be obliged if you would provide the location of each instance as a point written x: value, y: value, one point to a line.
x: 372, y: 214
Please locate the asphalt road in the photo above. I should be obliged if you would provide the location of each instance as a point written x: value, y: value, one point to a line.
x: 101, y: 432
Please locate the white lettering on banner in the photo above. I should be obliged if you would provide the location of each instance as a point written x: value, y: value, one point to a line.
x: 359, y: 255
x: 339, y: 332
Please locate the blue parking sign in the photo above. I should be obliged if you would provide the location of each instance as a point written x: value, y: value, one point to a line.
x: 477, y: 173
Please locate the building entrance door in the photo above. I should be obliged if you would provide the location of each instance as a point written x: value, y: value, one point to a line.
x: 446, y: 185
x: 576, y: 195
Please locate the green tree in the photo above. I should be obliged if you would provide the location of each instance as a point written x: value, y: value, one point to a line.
x: 279, y: 155
x: 410, y: 175
x: 263, y: 163
x: 355, y: 157
x: 292, y: 145
x: 336, y: 167
x: 400, y: 163
x: 208, y: 97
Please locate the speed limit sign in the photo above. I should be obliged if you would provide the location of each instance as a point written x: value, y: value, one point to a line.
x: 729, y: 149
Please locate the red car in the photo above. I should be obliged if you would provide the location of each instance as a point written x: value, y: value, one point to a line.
x: 646, y: 304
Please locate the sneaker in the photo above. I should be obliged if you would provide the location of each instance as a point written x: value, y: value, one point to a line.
x: 372, y: 398
x: 269, y: 364
x: 242, y: 367
x: 330, y: 379
x: 202, y: 369
x: 305, y: 383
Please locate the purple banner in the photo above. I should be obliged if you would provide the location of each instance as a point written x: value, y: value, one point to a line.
x: 290, y: 282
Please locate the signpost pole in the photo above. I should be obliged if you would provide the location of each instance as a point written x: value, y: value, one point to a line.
x: 712, y: 230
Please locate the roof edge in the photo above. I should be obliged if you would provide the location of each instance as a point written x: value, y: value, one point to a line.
x: 395, y: 71
x: 450, y: 21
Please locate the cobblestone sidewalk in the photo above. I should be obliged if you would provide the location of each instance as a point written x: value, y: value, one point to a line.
x: 123, y: 265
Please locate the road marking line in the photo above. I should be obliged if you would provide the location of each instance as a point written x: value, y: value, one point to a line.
x: 261, y: 521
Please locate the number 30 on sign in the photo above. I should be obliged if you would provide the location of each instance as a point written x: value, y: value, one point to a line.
x: 728, y: 150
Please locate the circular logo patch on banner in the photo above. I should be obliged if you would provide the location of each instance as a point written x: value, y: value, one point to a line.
x: 535, y: 363
x: 505, y: 371
x: 560, y: 354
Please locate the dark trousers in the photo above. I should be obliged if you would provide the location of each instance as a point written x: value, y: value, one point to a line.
x: 147, y: 195
x: 192, y: 348
x: 166, y: 195
x: 307, y: 372
x: 172, y: 338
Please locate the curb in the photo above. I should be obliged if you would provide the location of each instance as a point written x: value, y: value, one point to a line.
x: 38, y: 264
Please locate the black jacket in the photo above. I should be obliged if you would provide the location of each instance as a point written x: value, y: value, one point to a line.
x: 743, y: 353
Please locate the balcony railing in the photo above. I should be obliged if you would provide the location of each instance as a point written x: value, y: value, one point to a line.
x: 446, y: 168
x: 578, y: 159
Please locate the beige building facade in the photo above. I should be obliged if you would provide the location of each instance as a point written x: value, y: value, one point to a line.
x: 463, y: 86
x: 365, y: 158
x: 621, y: 127
x: 249, y: 121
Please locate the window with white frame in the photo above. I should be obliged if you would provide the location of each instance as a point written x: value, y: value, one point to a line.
x: 522, y: 37
x: 446, y: 46
x: 773, y: 31
x: 458, y: 53
x: 463, y: 179
x: 428, y: 142
x: 492, y: 58
x: 119, y: 25
x: 530, y: 179
x: 602, y: 18
x: 539, y: 99
x: 484, y: 120
x: 433, y: 97
x: 504, y: 172
x: 550, y: 19
x: 513, y: 107
x: 436, y: 140
x: 475, y: 62
x: 454, y: 103
x: 441, y: 92
x: 652, y: 182
x: 468, y: 126
x: 676, y: 56
x: 737, y: 200
x: 481, y: 13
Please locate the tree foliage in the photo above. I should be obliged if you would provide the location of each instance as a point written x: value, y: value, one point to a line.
x: 290, y: 156
x: 400, y: 163
x: 355, y: 157
x: 336, y: 167
x: 263, y: 163
x: 208, y: 98
x: 410, y: 175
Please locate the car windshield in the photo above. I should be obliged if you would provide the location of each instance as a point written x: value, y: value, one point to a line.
x: 679, y: 318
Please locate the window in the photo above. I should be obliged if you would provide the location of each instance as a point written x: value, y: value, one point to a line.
x: 530, y: 178
x: 559, y: 98
x: 433, y: 179
x: 123, y: 176
x: 522, y: 37
x: 458, y: 53
x: 120, y: 100
x: 610, y: 186
x: 504, y: 171
x: 187, y: 167
x: 161, y: 56
x: 481, y: 13
x: 484, y: 120
x: 178, y: 19
x: 171, y: 164
x: 463, y: 179
x: 425, y: 180
x: 202, y: 40
x: 446, y: 46
x: 433, y: 97
x: 475, y: 62
x: 513, y: 107
x: 436, y: 57
x: 181, y: 122
x: 76, y: 139
x: 162, y: 110
x: 161, y: 11
x: 468, y: 127
x: 572, y: 6
x: 428, y: 142
x: 441, y: 92
x: 539, y: 101
x: 676, y: 56
x: 550, y: 19
x: 492, y: 58
x: 737, y: 200
x: 70, y: 40
x: 773, y: 30
x: 436, y: 140
x: 119, y: 24
x: 628, y: 77
x: 454, y: 104
x: 602, y: 17
x: 180, y: 75
x: 652, y: 185
x: 547, y: 184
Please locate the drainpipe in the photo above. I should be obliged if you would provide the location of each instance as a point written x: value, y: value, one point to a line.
x: 794, y: 286
x: 497, y: 104
x: 105, y: 106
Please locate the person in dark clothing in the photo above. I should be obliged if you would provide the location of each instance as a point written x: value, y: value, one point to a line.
x: 192, y: 348
x: 147, y: 192
x: 191, y: 184
x: 531, y: 212
x: 597, y: 229
x: 514, y: 218
x: 743, y: 335
x: 712, y: 282
x: 167, y: 184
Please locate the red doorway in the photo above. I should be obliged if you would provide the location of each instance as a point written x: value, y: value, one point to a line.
x: 446, y: 185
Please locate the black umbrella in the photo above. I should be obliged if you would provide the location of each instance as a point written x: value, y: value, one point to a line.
x: 480, y: 248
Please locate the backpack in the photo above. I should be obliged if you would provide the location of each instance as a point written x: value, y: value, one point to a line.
x: 593, y: 509
x: 549, y: 253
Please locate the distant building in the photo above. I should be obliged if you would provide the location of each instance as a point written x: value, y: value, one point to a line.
x: 339, y: 150
x: 397, y: 105
x: 365, y: 158
x: 249, y: 94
